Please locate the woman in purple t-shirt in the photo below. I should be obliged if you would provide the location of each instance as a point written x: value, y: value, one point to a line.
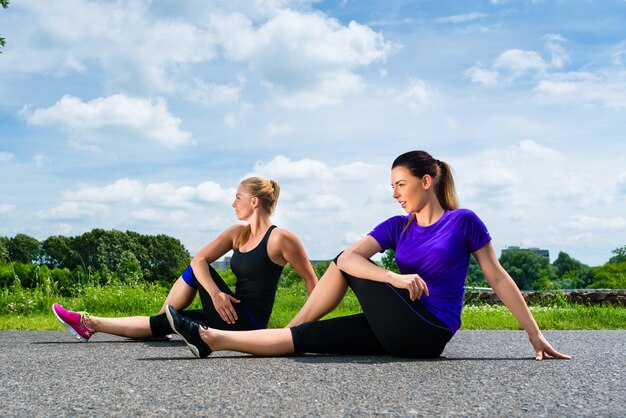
x: 413, y: 313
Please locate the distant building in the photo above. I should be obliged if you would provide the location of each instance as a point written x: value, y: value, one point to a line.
x: 544, y: 253
x: 222, y: 264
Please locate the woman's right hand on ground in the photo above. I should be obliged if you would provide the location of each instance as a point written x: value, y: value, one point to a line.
x: 411, y: 282
x: 223, y: 303
x: 543, y: 349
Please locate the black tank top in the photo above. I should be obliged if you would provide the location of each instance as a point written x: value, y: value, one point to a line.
x: 257, y: 279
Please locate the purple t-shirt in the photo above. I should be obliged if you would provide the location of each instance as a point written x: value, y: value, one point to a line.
x: 439, y: 253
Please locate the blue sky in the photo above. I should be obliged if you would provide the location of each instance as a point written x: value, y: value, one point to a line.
x: 144, y: 115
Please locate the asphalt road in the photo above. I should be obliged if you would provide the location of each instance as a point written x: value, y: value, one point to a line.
x: 481, y: 373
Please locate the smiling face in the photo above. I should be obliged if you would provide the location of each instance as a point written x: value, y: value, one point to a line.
x: 410, y: 191
x: 244, y: 203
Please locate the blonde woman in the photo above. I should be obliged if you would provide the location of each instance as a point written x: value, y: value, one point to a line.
x: 260, y: 251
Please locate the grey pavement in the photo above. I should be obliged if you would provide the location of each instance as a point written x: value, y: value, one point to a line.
x: 481, y: 373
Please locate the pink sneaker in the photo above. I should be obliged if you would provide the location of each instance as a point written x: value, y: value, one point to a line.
x: 76, y: 322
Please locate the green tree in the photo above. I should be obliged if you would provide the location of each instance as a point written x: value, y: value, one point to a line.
x: 475, y: 276
x: 129, y: 268
x: 543, y: 282
x: 63, y: 281
x: 320, y: 268
x: 288, y: 277
x: 525, y: 266
x: 5, y: 5
x: 26, y: 274
x: 571, y: 273
x: 7, y: 274
x: 24, y: 248
x: 4, y: 251
x: 57, y: 252
x: 164, y: 259
x: 229, y: 277
x: 620, y: 255
x: 388, y: 261
x: 608, y: 276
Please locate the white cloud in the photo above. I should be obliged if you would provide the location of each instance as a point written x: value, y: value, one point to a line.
x: 278, y: 129
x: 418, y: 95
x: 169, y: 195
x: 620, y: 184
x: 148, y: 118
x: 519, y: 62
x: 505, y: 176
x: 121, y: 190
x: 305, y: 58
x: 165, y: 194
x: 210, y: 191
x: 284, y: 168
x: 154, y: 216
x: 554, y: 44
x: 213, y: 94
x: 590, y: 223
x: 301, y: 42
x: 233, y: 119
x: 6, y: 157
x: 65, y: 229
x: 288, y: 46
x: 79, y: 34
x: 351, y: 237
x: 331, y: 89
x: 323, y: 202
x: 492, y: 180
x: 214, y: 224
x: 6, y: 208
x: 462, y: 18
x: 607, y: 88
x: 74, y: 210
x: 482, y: 76
x: 534, y: 150
x: 40, y: 160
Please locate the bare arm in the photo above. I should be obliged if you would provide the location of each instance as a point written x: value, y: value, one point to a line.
x: 287, y: 248
x: 355, y: 261
x: 509, y: 294
x: 200, y: 266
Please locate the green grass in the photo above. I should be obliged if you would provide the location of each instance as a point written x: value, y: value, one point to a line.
x: 26, y: 309
x: 573, y: 317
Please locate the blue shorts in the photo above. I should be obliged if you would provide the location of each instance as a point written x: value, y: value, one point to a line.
x: 188, y: 277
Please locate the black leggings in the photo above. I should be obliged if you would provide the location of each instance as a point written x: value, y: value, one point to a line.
x: 208, y: 315
x: 390, y: 324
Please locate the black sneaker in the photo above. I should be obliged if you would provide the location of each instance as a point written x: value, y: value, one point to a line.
x: 189, y: 330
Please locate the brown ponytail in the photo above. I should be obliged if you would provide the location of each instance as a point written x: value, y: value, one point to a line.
x: 446, y: 192
x: 267, y: 191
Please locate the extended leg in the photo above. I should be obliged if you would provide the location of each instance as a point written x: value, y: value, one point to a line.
x: 345, y: 335
x: 328, y: 293
x: 180, y: 296
x: 137, y: 327
x: 264, y: 342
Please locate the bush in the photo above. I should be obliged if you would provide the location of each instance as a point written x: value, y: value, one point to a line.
x: 608, y: 276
